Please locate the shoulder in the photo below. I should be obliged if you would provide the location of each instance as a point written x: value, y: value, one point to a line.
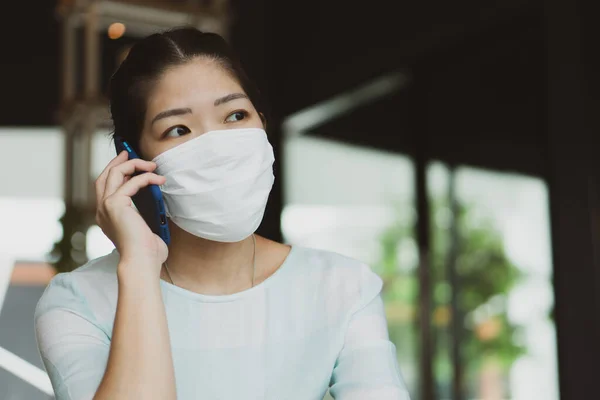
x: 353, y: 281
x: 88, y: 290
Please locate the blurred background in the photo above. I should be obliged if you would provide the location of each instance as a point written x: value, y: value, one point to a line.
x: 450, y: 145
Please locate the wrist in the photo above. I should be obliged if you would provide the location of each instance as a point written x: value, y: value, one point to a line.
x: 138, y: 269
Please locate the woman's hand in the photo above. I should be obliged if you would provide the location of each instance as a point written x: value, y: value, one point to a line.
x: 120, y: 221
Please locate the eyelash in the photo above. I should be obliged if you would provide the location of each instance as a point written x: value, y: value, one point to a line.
x: 245, y: 113
x: 166, y: 133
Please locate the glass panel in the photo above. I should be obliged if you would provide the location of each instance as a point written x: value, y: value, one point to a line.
x: 503, y: 286
x: 31, y: 199
x: 359, y: 202
x: 103, y: 150
x: 31, y: 160
x: 30, y: 227
x: 31, y: 202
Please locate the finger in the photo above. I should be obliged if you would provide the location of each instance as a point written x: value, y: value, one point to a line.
x: 101, y: 180
x: 138, y: 182
x: 119, y: 159
x: 117, y: 174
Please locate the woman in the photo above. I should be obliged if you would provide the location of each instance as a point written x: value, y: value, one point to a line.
x: 220, y: 313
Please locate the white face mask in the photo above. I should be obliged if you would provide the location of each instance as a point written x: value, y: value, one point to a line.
x: 218, y: 183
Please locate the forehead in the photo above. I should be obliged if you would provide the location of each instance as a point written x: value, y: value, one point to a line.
x: 197, y: 81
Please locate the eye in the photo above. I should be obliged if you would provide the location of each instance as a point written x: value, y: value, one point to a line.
x: 177, y: 131
x: 237, y: 116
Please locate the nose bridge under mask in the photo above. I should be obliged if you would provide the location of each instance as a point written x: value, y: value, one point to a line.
x: 219, y: 143
x: 210, y: 178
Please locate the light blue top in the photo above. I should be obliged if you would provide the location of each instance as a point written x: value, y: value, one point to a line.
x: 318, y: 322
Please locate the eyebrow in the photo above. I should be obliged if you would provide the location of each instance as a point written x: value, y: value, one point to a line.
x: 170, y: 113
x: 230, y: 97
x: 182, y: 111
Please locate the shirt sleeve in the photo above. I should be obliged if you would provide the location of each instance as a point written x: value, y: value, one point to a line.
x: 367, y: 367
x: 73, y: 348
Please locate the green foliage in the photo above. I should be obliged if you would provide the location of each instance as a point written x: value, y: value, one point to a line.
x: 486, y: 276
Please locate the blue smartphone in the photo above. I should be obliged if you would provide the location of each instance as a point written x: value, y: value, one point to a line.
x: 148, y: 200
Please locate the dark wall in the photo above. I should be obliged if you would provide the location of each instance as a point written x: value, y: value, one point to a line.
x: 485, y: 99
x: 480, y: 102
x: 29, y: 63
x: 574, y: 179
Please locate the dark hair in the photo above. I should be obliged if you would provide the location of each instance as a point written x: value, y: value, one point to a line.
x: 148, y: 59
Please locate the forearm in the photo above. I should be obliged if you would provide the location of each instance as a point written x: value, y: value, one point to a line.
x: 140, y: 364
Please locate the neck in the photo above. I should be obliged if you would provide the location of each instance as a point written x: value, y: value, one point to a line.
x: 209, y: 267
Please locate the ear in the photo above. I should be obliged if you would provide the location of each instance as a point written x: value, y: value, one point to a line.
x: 263, y: 119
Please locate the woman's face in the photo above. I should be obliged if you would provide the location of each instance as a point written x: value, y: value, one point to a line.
x: 190, y: 100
